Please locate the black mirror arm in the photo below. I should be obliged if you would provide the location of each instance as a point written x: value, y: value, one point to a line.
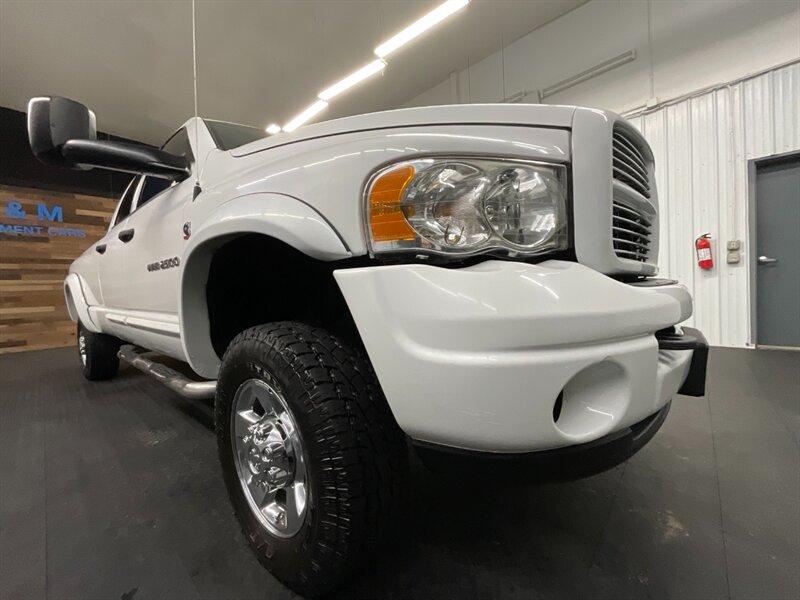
x: 126, y: 157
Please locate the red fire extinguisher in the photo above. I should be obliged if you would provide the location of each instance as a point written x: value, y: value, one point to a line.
x: 703, y: 247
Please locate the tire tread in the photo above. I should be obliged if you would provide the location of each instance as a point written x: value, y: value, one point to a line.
x: 362, y: 450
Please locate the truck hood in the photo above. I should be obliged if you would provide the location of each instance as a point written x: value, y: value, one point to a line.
x: 540, y: 115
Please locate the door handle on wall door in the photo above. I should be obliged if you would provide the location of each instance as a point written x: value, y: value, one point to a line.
x: 126, y: 235
x: 101, y: 248
x: 766, y: 260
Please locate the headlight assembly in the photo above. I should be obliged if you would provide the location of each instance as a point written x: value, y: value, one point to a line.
x: 464, y: 206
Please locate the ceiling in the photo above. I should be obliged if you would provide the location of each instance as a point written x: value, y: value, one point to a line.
x: 258, y: 62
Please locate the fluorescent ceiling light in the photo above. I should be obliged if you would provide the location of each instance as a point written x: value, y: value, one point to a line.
x: 345, y: 84
x: 438, y: 14
x: 307, y: 114
x: 273, y: 129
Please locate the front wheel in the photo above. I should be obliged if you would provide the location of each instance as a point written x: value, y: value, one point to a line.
x: 312, y: 457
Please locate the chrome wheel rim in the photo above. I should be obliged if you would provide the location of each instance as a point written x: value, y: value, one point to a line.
x: 82, y: 348
x: 269, y: 457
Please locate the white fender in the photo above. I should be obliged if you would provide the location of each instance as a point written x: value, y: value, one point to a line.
x: 79, y: 298
x: 275, y: 215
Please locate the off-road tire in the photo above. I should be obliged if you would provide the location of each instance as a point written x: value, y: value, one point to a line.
x: 356, y: 456
x: 98, y: 354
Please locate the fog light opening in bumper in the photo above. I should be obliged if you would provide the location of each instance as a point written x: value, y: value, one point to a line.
x: 558, y: 406
x: 592, y: 401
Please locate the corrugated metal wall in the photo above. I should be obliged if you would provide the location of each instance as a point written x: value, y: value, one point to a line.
x: 702, y: 145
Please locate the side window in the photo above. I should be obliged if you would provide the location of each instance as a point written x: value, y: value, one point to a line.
x: 126, y: 201
x: 151, y: 188
x: 178, y: 144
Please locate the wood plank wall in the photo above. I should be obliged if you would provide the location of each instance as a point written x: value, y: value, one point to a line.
x: 34, y: 263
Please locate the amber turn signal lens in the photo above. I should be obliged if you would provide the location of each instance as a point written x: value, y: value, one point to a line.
x: 386, y: 218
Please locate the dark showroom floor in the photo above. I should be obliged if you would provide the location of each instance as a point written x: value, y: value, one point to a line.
x: 113, y: 490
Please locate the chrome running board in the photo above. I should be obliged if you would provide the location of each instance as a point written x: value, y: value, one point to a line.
x: 174, y: 380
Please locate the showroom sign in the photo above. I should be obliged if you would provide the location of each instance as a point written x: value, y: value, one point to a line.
x: 42, y: 226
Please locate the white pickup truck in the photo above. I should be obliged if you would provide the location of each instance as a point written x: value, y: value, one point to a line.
x: 474, y: 283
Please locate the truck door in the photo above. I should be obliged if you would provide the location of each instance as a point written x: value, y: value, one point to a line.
x: 144, y: 298
x: 152, y: 255
x: 110, y: 253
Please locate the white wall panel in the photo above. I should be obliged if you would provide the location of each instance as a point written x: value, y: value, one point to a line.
x: 702, y: 145
x: 681, y: 46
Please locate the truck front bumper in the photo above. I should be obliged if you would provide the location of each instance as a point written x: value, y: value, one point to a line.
x: 512, y: 357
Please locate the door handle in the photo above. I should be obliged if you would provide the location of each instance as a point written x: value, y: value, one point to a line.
x: 766, y: 260
x: 126, y: 235
x: 101, y: 248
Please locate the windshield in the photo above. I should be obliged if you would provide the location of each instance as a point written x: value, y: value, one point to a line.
x: 230, y: 135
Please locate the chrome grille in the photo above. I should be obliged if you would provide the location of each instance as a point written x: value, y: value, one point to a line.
x: 629, y: 166
x: 631, y: 232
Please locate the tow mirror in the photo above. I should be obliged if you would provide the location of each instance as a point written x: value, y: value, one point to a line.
x: 54, y: 121
x: 63, y: 133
